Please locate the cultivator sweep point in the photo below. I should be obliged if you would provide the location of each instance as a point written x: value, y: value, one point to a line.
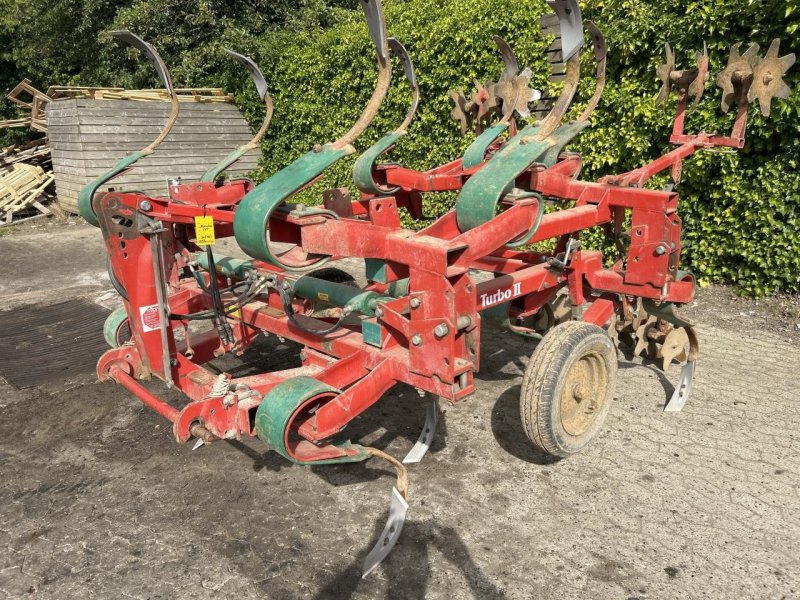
x: 419, y: 318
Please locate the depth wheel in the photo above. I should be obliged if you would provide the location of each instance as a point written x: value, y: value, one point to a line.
x: 568, y: 387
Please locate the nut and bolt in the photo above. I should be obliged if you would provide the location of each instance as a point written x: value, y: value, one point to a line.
x: 146, y: 205
x: 441, y: 330
x: 378, y: 312
x: 415, y: 302
x: 464, y: 322
x: 303, y: 355
x: 416, y: 340
x: 661, y: 250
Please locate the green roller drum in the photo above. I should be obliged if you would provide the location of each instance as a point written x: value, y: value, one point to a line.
x: 275, y: 412
x: 116, y: 329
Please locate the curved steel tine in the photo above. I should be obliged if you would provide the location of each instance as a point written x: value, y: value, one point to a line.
x: 425, y: 439
x: 377, y: 29
x: 400, y: 52
x: 163, y: 73
x: 255, y: 72
x: 600, y: 56
x: 569, y: 17
x: 375, y: 24
x: 683, y: 388
x: 549, y: 124
x: 390, y: 534
x: 509, y: 58
x: 263, y: 91
x: 571, y: 23
x: 136, y: 42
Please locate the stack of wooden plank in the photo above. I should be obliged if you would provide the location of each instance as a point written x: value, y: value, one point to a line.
x: 21, y: 189
x: 34, y: 102
x: 184, y: 95
x: 36, y: 152
x: 88, y: 136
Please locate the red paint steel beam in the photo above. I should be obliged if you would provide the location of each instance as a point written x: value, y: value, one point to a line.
x: 133, y: 386
x: 515, y: 285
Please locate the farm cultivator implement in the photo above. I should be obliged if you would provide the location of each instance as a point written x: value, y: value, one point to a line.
x: 418, y: 320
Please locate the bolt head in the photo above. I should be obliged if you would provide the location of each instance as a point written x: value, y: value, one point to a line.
x: 416, y: 340
x: 415, y: 302
x: 146, y: 205
x: 441, y: 330
x: 379, y: 312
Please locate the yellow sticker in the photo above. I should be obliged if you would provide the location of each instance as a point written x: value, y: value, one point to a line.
x: 322, y: 296
x: 204, y: 231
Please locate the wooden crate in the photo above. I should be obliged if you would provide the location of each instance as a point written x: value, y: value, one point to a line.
x: 87, y: 137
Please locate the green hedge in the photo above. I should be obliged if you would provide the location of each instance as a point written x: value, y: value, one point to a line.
x: 741, y: 212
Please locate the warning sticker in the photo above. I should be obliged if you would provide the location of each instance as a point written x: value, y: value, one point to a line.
x: 204, y: 231
x: 149, y: 317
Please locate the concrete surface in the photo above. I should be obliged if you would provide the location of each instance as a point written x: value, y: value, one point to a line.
x: 97, y: 500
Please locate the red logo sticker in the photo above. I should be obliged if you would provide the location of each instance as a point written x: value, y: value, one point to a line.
x: 150, y: 317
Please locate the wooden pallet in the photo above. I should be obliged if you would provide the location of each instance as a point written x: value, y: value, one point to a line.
x: 21, y: 187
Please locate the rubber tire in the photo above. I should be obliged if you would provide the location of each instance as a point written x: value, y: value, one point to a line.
x: 544, y: 377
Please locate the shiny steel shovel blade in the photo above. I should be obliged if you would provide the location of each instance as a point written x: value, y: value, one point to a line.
x: 389, y: 535
x: 682, y: 389
x: 423, y: 444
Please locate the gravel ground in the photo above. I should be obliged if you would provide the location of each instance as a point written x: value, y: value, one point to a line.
x: 97, y: 501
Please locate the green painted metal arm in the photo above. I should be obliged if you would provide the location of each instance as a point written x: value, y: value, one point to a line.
x: 214, y: 172
x: 478, y: 200
x: 87, y: 193
x: 256, y: 208
x: 365, y: 165
x: 477, y: 203
x: 251, y: 222
x: 477, y: 149
x: 362, y: 170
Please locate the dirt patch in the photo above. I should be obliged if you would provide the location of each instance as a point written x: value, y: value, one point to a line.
x: 720, y: 306
x: 50, y: 342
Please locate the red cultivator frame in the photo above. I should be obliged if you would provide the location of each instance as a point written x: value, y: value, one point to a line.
x: 419, y: 318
